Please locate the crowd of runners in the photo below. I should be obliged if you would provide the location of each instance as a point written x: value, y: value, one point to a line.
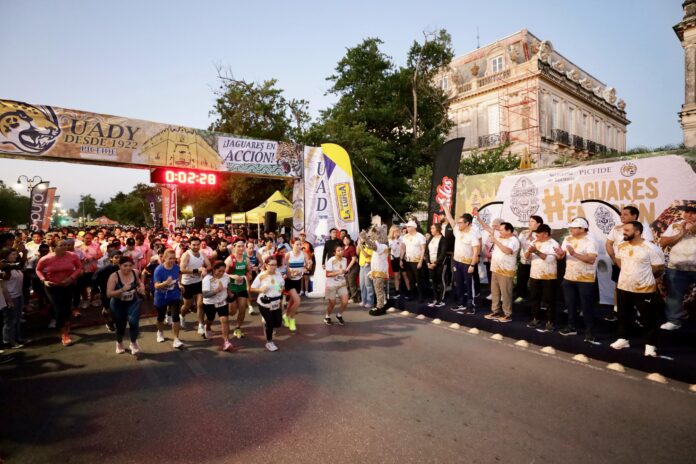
x: 193, y: 276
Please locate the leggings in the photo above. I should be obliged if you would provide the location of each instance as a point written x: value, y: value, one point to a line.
x: 126, y: 312
x: 271, y: 320
x: 61, y: 299
x: 438, y: 280
x: 542, y: 293
x: 174, y: 308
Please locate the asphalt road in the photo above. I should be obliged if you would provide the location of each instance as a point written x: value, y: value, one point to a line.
x: 378, y: 390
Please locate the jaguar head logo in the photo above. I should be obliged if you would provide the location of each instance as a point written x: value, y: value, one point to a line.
x: 27, y: 129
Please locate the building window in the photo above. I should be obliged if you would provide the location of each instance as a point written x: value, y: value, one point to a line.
x: 571, y: 120
x: 497, y: 64
x: 493, y: 119
x: 553, y: 123
x: 444, y: 83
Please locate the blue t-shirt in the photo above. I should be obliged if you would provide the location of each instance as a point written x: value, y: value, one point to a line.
x: 166, y: 295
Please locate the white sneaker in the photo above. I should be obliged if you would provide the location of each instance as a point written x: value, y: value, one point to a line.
x: 201, y: 329
x: 182, y: 323
x: 620, y: 344
x: 119, y: 348
x: 650, y: 351
x: 489, y: 297
x: 270, y: 346
x: 208, y: 334
x: 134, y: 348
x: 168, y: 319
x: 351, y: 301
x: 160, y: 336
x: 670, y: 326
x: 52, y: 324
x: 177, y: 343
x: 253, y: 311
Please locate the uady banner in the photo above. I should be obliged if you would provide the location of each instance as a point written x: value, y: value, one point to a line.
x: 595, y: 191
x: 50, y: 132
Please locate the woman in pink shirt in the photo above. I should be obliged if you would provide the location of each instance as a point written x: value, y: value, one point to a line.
x: 59, y: 272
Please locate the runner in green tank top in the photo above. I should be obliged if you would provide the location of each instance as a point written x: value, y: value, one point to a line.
x: 240, y: 274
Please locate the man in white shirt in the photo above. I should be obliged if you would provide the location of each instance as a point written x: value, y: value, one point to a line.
x: 467, y: 250
x: 542, y: 255
x: 681, y: 269
x: 412, y: 257
x: 503, y: 269
x: 640, y: 261
x: 580, y: 252
x: 614, y: 239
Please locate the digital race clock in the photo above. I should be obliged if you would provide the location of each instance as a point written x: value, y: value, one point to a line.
x: 184, y: 176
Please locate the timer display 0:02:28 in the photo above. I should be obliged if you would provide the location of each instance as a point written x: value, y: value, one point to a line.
x: 189, y: 177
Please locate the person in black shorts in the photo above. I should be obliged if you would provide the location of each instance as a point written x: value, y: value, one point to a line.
x: 215, y: 293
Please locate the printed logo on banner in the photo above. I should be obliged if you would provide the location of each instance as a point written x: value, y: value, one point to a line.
x: 27, y: 129
x: 344, y: 202
x: 443, y: 193
x: 604, y: 219
x: 629, y: 169
x: 524, y: 202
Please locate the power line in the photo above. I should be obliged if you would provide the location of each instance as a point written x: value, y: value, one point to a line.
x: 378, y: 193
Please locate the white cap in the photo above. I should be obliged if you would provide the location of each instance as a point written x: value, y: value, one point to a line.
x: 411, y: 224
x: 579, y: 222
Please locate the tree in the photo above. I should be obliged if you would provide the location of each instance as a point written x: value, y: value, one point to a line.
x: 390, y: 119
x: 87, y: 207
x: 254, y: 110
x: 15, y: 207
x: 130, y: 208
x: 493, y: 160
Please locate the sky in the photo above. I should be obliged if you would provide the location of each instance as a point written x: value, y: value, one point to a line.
x: 156, y: 60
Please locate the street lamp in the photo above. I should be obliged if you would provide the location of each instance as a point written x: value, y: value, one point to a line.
x: 34, y: 182
x: 187, y: 212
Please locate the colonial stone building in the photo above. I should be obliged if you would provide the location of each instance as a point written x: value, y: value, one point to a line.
x: 686, y: 31
x: 519, y: 89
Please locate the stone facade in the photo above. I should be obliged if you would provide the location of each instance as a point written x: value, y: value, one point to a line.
x: 686, y: 31
x: 519, y: 89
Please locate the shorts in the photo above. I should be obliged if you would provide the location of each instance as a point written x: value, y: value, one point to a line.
x: 238, y: 294
x: 396, y: 264
x: 211, y: 310
x: 332, y: 292
x: 192, y: 290
x: 293, y: 285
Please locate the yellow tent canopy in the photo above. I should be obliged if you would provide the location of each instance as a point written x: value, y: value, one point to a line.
x: 276, y: 203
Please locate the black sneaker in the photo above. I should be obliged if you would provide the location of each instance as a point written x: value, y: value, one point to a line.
x: 590, y: 339
x: 611, y: 317
x: 533, y: 324
x: 327, y: 320
x: 568, y: 331
x: 340, y: 320
x: 432, y: 304
x: 471, y: 310
x: 458, y: 308
x: 439, y: 304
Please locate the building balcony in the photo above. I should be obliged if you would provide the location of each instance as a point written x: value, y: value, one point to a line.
x: 578, y: 142
x: 505, y: 74
x: 560, y: 136
x: 493, y: 140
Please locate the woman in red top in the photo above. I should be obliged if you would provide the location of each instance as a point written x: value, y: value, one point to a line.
x: 59, y: 272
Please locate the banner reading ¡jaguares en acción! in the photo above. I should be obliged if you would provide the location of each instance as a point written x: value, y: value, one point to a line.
x: 41, y: 131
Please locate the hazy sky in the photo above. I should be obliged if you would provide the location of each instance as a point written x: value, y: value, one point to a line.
x: 156, y: 60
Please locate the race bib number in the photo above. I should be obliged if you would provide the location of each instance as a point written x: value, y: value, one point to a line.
x: 220, y: 304
x: 128, y: 296
x: 275, y: 305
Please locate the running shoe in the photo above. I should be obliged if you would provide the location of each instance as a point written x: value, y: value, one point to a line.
x: 650, y: 351
x: 340, y: 320
x: 591, y: 339
x: 182, y: 323
x: 253, y: 311
x: 432, y: 304
x: 238, y: 333
x: 66, y: 340
x: 177, y: 343
x: 110, y: 327
x: 327, y: 320
x: 286, y: 322
x: 458, y: 308
x: 15, y: 346
x: 119, y: 348
x: 493, y: 315
x: 201, y: 330
x: 208, y: 334
x: 227, y: 346
x: 134, y: 348
x: 291, y: 325
x: 168, y: 319
x: 568, y: 331
x: 620, y: 344
x: 519, y: 300
x: 160, y: 336
x: 439, y: 304
x: 270, y: 346
x: 534, y: 324
x: 470, y: 311
x: 504, y: 319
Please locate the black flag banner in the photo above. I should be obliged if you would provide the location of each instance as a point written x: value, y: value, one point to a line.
x: 444, y: 186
